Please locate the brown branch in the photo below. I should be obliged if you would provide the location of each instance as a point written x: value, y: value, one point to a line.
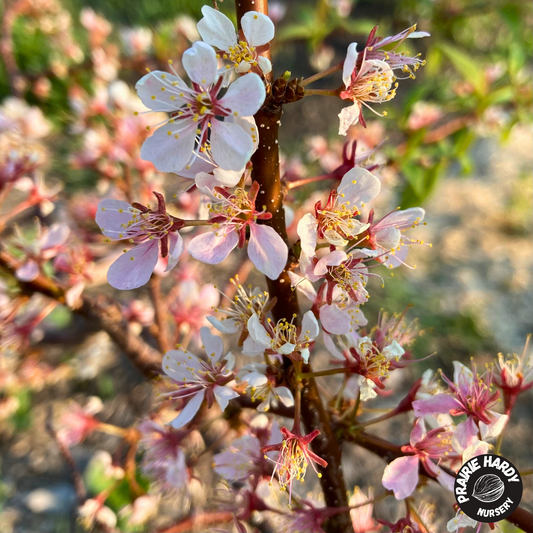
x: 160, y: 314
x: 102, y: 311
x: 266, y: 172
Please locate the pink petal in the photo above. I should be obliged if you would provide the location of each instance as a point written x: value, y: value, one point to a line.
x: 112, y: 217
x: 267, y: 250
x: 223, y: 395
x: 401, y: 476
x: 418, y: 432
x: 200, y: 63
x: 465, y: 434
x: 28, y: 271
x: 349, y: 116
x: 134, y: 268
x: 245, y: 95
x: 213, y: 247
x: 440, y: 403
x: 151, y: 84
x: 57, y: 235
x: 402, y: 219
x: 189, y: 411
x: 231, y: 146
x: 175, y: 249
x: 334, y: 320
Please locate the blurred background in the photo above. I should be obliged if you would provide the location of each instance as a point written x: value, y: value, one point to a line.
x: 457, y: 141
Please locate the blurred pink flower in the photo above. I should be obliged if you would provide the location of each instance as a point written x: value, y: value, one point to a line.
x: 78, y: 422
x: 422, y: 115
x: 362, y: 520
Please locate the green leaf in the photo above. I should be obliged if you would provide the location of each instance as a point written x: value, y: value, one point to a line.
x: 466, y: 66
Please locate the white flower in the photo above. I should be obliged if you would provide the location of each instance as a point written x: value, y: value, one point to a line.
x: 460, y: 521
x: 195, y: 128
x: 284, y: 338
x: 217, y: 30
x: 262, y: 385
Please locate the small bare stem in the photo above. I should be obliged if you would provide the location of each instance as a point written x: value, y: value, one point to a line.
x: 321, y: 75
x: 322, y: 92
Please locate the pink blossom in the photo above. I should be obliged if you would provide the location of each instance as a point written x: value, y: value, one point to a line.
x: 241, y: 460
x: 342, y: 316
x: 232, y: 215
x: 79, y: 422
x: 468, y: 394
x: 336, y: 222
x: 363, y: 357
x: 240, y: 51
x: 262, y: 383
x: 386, y: 235
x: 362, y: 520
x: 149, y: 230
x: 423, y: 114
x: 163, y: 459
x: 369, y: 76
x: 194, y: 128
x: 294, y: 457
x: 43, y: 246
x: 283, y: 338
x: 196, y: 379
x: 401, y: 475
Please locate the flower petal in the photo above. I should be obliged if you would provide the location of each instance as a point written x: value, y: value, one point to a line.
x: 334, y: 258
x: 231, y: 146
x: 440, y: 403
x: 244, y: 96
x: 257, y: 28
x: 359, y: 187
x: 214, y: 246
x: 258, y: 332
x: 28, y: 271
x: 307, y: 231
x: 264, y: 64
x: 200, y: 63
x: 189, y: 411
x: 223, y: 395
x: 303, y: 285
x: 224, y: 326
x: 267, y: 250
x: 284, y: 395
x: 349, y: 116
x: 168, y: 148
x: 401, y: 476
x: 134, y: 268
x: 334, y: 320
x: 112, y: 217
x: 56, y: 235
x: 175, y: 250
x: 213, y: 345
x: 349, y: 64
x: 159, y: 91
x: 216, y: 29
x: 310, y: 328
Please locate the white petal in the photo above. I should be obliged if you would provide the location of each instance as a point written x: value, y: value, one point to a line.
x: 214, y: 246
x: 159, y: 91
x: 112, y: 216
x: 349, y: 64
x: 223, y: 395
x: 189, y: 411
x: 334, y: 258
x: 213, y: 345
x: 224, y: 326
x: 264, y: 64
x: 245, y: 96
x: 167, y: 152
x: 331, y: 347
x: 303, y: 285
x: 309, y: 326
x: 307, y: 231
x: 496, y: 426
x: 349, y: 116
x: 258, y: 332
x: 285, y: 396
x: 393, y: 350
x: 200, y: 63
x: 359, y: 187
x: 402, y: 219
x: 216, y: 29
x: 267, y: 250
x: 251, y: 347
x: 231, y: 146
x: 334, y: 320
x: 257, y: 28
